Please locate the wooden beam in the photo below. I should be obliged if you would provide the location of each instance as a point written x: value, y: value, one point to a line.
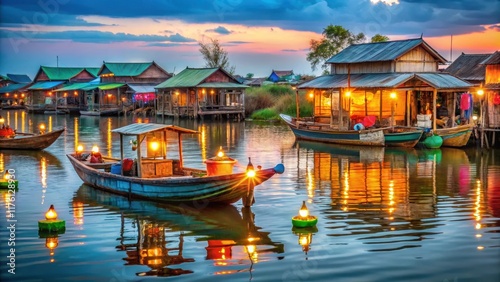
x: 434, y: 97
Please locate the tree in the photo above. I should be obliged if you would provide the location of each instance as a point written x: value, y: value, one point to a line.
x: 215, y: 56
x: 335, y: 39
x: 249, y: 75
x: 379, y: 38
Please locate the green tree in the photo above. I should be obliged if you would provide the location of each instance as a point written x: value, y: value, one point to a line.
x: 379, y: 38
x: 335, y: 39
x: 249, y: 75
x: 215, y: 56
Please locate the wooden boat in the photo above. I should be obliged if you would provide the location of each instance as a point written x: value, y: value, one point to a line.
x: 31, y: 141
x: 402, y: 136
x: 321, y: 132
x: 457, y: 136
x: 167, y: 180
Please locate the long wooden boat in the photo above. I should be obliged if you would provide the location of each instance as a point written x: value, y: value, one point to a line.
x: 31, y: 141
x: 457, y: 136
x: 167, y: 180
x: 402, y: 136
x: 321, y: 132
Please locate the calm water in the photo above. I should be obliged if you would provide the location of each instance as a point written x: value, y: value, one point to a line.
x: 384, y: 214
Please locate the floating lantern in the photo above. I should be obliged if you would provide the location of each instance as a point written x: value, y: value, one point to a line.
x: 305, y: 236
x: 51, y: 223
x: 79, y: 150
x: 220, y: 164
x: 8, y: 181
x: 304, y: 219
x: 41, y: 127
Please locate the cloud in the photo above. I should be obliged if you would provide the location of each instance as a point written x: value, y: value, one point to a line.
x: 219, y: 30
x: 89, y: 36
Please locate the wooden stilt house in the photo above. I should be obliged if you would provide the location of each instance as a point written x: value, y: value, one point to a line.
x: 201, y: 92
x: 395, y: 82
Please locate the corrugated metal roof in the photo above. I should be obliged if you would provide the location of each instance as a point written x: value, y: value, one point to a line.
x: 494, y: 59
x: 143, y: 128
x: 443, y: 81
x: 102, y: 86
x: 19, y: 78
x: 468, y: 66
x: 189, y: 77
x: 142, y: 88
x: 380, y: 51
x: 12, y: 87
x: 93, y: 71
x: 74, y: 86
x: 222, y: 85
x: 45, y: 85
x: 384, y: 80
x: 370, y: 80
x: 62, y: 73
x: 124, y: 69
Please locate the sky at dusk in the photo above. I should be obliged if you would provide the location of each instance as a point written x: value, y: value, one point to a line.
x: 259, y: 35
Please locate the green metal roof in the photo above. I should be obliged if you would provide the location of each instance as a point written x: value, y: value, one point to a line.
x: 45, y: 85
x: 124, y: 69
x: 63, y: 73
x: 189, y: 77
x: 93, y: 71
x: 102, y: 86
x: 74, y: 86
x: 221, y: 85
x: 380, y: 51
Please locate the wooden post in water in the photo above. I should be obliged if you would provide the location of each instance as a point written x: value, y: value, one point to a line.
x: 248, y: 199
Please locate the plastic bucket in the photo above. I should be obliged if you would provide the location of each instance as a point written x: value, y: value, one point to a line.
x: 116, y: 168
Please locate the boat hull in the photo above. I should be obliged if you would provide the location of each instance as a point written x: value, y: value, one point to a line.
x: 31, y: 142
x: 320, y: 133
x: 222, y: 189
x: 402, y: 137
x: 456, y: 136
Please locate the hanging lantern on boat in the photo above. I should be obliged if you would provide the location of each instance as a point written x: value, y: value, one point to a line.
x: 250, y: 169
x: 51, y: 223
x: 79, y: 150
x: 304, y: 219
x: 95, y: 149
x: 41, y: 127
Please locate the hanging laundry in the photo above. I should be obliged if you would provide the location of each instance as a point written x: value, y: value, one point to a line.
x: 467, y: 111
x: 464, y: 101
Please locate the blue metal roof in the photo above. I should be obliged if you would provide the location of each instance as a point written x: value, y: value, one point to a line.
x: 380, y: 51
x: 12, y: 87
x: 45, y: 85
x: 443, y: 80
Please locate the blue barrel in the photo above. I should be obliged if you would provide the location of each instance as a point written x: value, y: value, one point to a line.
x: 116, y: 168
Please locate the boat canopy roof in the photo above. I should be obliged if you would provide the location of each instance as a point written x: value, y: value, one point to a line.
x: 144, y: 128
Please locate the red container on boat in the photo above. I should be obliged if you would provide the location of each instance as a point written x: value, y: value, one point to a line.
x: 222, y: 167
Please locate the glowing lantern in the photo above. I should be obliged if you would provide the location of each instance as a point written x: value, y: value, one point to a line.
x: 393, y: 95
x: 95, y: 149
x: 51, y: 223
x: 250, y: 169
x: 41, y: 127
x: 79, y: 150
x: 480, y: 92
x: 51, y: 214
x: 304, y: 219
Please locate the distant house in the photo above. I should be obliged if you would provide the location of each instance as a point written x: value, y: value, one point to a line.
x: 363, y: 77
x: 277, y: 75
x: 42, y: 95
x: 256, y: 82
x: 201, y: 92
x: 12, y: 94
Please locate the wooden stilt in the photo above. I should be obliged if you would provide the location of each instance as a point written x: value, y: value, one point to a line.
x: 248, y: 199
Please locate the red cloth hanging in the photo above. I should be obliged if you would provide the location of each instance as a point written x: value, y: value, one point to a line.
x: 464, y: 102
x: 496, y: 99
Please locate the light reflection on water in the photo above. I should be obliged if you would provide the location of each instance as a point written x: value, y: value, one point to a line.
x: 384, y: 214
